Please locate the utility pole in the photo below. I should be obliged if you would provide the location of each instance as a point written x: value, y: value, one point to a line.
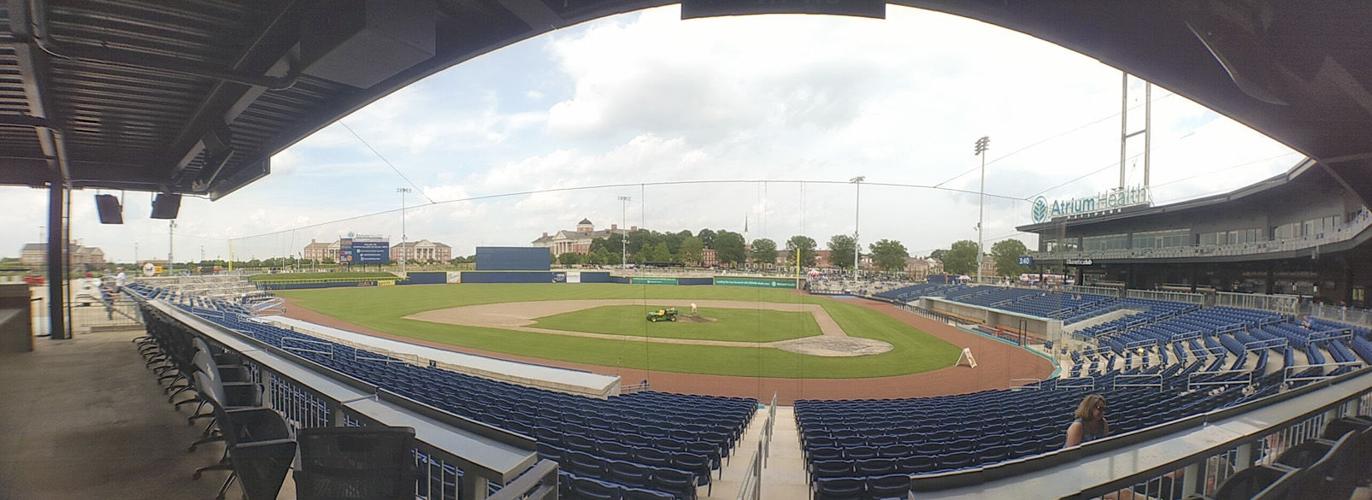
x: 135, y: 253
x: 982, y: 145
x: 171, y: 241
x: 402, y: 191
x: 624, y: 235
x: 857, y: 211
x: 1147, y: 130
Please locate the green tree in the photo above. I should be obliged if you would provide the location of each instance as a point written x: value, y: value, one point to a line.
x: 729, y: 247
x: 569, y: 259
x: 603, y: 257
x: 889, y: 255
x: 659, y: 253
x: 806, y: 245
x: 841, y: 250
x: 961, y: 258
x: 612, y: 246
x: 764, y: 251
x: 1006, y: 254
x: 673, y: 241
x: 938, y: 254
x: 691, y: 251
x: 639, y: 241
x: 707, y: 237
x: 598, y: 243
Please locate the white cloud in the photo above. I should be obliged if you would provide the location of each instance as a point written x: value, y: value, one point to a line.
x: 647, y: 98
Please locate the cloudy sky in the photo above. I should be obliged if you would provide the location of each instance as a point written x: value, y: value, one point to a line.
x: 645, y: 100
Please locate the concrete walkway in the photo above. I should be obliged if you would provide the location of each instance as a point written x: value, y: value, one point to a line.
x: 83, y: 418
x: 783, y: 478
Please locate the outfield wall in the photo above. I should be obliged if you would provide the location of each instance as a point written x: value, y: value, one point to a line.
x: 513, y: 277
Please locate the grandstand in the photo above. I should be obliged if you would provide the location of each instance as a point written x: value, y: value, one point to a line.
x: 1227, y: 395
x: 651, y: 445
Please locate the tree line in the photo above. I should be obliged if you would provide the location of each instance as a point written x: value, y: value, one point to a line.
x: 961, y: 257
x: 683, y: 247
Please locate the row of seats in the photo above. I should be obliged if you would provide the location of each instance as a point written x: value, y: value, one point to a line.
x: 687, y: 433
x: 1069, y: 307
x: 260, y: 445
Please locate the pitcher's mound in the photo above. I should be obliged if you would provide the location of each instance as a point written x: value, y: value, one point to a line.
x: 834, y: 346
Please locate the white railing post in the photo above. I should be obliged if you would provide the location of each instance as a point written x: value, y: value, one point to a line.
x: 1190, y: 479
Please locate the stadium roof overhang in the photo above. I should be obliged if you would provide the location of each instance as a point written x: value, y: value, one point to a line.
x: 1284, y: 184
x: 197, y: 97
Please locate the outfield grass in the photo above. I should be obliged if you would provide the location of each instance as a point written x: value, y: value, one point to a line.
x: 279, y: 277
x: 733, y: 325
x: 384, y: 309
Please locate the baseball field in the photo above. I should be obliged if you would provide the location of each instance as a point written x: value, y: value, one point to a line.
x: 736, y: 331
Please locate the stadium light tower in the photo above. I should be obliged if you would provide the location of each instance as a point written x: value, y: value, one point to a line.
x: 857, y: 209
x: 402, y: 191
x: 624, y: 235
x: 982, y: 145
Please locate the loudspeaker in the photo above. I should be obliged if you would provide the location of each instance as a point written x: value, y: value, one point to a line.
x: 165, y: 206
x: 108, y: 207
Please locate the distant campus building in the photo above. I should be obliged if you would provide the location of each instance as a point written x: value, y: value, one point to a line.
x: 578, y: 241
x: 36, y: 254
x: 422, y: 250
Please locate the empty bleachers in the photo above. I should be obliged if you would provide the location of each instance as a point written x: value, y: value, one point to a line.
x: 1069, y: 307
x: 861, y: 440
x: 646, y: 443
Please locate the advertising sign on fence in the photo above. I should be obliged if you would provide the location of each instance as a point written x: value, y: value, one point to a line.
x: 757, y: 282
x: 652, y: 281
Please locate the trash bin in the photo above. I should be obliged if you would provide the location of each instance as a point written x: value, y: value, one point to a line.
x: 16, y: 335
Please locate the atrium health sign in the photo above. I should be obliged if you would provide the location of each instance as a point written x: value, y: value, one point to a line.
x: 1104, y: 202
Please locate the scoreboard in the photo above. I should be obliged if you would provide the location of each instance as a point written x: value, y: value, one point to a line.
x: 364, y: 250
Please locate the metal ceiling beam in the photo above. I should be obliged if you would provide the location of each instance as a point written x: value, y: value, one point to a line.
x: 534, y: 13
x: 1355, y: 175
x: 269, y: 53
x: 33, y: 72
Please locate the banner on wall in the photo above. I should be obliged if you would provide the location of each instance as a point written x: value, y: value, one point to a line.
x: 652, y: 281
x: 757, y: 282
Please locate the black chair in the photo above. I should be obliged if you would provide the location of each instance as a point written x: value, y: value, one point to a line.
x: 677, y: 482
x: 628, y: 474
x: 230, y: 395
x: 338, y: 463
x: 696, y: 464
x: 1259, y: 481
x: 846, y: 488
x: 888, y: 486
x: 642, y: 494
x: 1318, y: 458
x: 1360, y: 464
x: 259, y: 446
x: 585, y: 487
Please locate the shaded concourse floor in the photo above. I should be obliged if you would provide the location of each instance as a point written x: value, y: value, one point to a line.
x: 83, y: 418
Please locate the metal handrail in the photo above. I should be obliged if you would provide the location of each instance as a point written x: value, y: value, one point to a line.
x: 1245, y: 377
x: 538, y: 483
x: 307, y: 405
